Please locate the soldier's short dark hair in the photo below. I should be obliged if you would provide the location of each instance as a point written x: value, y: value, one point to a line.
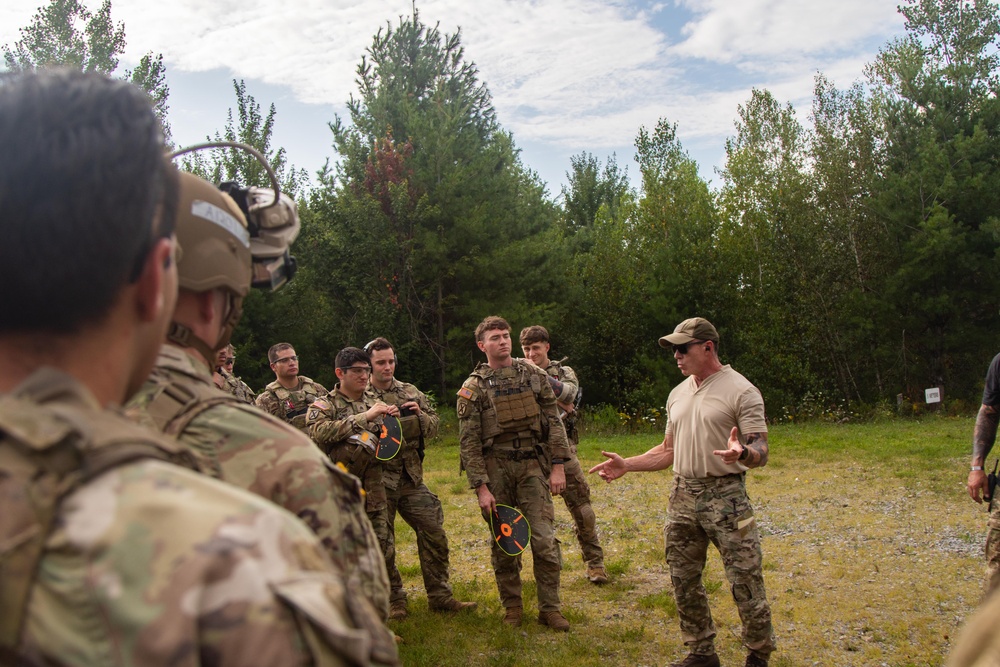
x: 276, y: 349
x: 534, y: 334
x: 86, y: 191
x: 489, y: 324
x: 378, y: 344
x: 350, y: 356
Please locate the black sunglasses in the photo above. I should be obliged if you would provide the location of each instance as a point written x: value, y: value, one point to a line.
x: 683, y: 349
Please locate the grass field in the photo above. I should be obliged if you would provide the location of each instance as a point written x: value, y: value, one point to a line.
x: 872, y: 556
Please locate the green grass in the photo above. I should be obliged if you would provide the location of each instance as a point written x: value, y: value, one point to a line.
x: 872, y: 556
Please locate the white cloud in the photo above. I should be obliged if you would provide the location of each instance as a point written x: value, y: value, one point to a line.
x: 727, y: 31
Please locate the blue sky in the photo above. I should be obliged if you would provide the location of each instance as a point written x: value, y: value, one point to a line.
x: 567, y: 76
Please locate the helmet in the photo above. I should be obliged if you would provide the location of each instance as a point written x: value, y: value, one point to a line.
x: 214, y: 239
x: 231, y: 238
x: 215, y: 254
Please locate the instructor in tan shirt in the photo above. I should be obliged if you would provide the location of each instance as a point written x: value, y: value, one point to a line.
x: 716, y: 430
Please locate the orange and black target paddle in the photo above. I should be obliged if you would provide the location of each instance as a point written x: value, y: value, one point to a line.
x: 510, y: 529
x: 390, y: 440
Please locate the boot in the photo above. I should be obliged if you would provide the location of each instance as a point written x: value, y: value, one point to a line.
x: 554, y: 620
x: 754, y: 660
x: 397, y: 610
x: 597, y: 575
x: 697, y: 660
x: 451, y: 604
x: 512, y: 616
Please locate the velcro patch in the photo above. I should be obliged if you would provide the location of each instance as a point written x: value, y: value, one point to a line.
x: 466, y: 393
x: 321, y: 404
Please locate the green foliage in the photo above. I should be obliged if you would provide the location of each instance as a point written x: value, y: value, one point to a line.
x: 151, y: 76
x: 606, y: 419
x: 233, y: 164
x: 65, y: 33
x: 591, y: 187
x: 429, y: 222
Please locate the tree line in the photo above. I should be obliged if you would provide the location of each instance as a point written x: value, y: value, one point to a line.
x: 851, y: 255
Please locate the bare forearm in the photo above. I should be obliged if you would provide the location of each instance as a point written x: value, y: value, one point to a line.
x: 985, y: 433
x: 659, y: 457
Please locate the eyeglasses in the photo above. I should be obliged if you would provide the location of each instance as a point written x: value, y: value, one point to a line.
x: 229, y: 361
x: 285, y: 360
x: 360, y: 370
x: 683, y: 349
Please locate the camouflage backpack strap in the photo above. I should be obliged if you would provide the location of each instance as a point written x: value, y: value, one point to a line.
x: 46, y: 452
x: 175, y: 405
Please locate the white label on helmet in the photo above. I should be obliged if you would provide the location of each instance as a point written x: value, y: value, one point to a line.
x: 213, y: 213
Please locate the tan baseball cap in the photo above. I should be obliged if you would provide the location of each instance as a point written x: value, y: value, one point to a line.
x: 695, y: 328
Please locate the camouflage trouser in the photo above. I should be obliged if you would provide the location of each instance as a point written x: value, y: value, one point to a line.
x: 380, y: 523
x: 422, y: 511
x: 716, y: 510
x: 577, y: 497
x: 522, y: 485
x: 993, y: 550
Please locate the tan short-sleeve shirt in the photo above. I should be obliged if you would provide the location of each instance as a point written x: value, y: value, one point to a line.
x: 700, y: 419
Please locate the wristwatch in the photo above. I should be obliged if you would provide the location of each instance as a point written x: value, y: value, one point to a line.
x: 744, y: 454
x: 979, y: 468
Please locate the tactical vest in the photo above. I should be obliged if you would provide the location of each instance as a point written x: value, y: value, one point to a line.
x: 295, y: 404
x: 46, y: 453
x: 512, y: 394
x: 235, y: 386
x: 410, y: 424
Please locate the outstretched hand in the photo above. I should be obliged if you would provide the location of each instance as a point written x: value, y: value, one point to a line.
x: 734, y: 448
x: 611, y: 469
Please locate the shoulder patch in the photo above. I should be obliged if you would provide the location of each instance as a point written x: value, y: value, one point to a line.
x: 320, y: 403
x: 466, y: 393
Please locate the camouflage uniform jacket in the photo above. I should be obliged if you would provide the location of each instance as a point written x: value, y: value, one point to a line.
x: 236, y: 386
x: 239, y: 444
x: 142, y: 562
x: 290, y: 405
x: 414, y: 427
x: 478, y: 423
x: 571, y: 387
x: 331, y: 421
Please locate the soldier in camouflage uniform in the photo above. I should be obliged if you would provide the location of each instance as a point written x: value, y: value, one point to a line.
x: 500, y: 409
x: 111, y: 553
x: 345, y: 424
x: 716, y: 430
x: 406, y: 493
x: 233, y: 441
x: 566, y: 387
x: 290, y: 395
x: 227, y: 381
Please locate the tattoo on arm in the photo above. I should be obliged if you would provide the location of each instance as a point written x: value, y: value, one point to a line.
x: 756, y: 449
x: 985, y: 433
